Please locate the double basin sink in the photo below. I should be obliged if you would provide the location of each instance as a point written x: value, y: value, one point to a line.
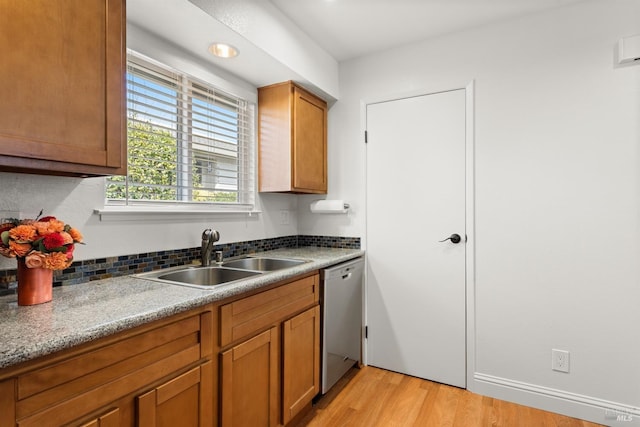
x: 220, y: 274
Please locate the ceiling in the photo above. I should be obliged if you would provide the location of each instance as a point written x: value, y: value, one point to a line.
x: 348, y: 29
x: 265, y: 32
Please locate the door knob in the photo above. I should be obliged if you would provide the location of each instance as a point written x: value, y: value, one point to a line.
x: 455, y: 238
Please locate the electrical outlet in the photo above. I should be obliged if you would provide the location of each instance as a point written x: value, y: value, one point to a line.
x: 560, y: 360
x: 284, y: 217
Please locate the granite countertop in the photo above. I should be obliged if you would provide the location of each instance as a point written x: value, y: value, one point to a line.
x: 85, y: 312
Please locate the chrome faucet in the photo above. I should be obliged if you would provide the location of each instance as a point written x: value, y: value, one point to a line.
x: 209, y: 237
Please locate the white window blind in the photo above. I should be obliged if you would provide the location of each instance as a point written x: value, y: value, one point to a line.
x: 188, y: 142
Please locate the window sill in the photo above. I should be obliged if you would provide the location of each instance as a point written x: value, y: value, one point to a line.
x: 145, y: 213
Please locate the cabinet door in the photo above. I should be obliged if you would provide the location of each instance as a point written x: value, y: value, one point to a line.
x: 310, y: 143
x: 301, y: 364
x: 184, y: 401
x: 8, y: 403
x: 249, y: 382
x: 62, y: 85
x: 110, y: 419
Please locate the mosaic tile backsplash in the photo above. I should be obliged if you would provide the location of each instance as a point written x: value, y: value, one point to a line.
x: 102, y: 268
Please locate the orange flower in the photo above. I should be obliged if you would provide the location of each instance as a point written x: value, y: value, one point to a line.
x: 23, y: 233
x: 45, y: 242
x: 35, y: 259
x: 75, y: 234
x: 42, y: 227
x: 20, y: 249
x: 56, y: 226
x: 48, y: 227
x: 56, y: 261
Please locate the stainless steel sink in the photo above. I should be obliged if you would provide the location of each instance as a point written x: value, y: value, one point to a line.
x: 263, y: 264
x: 229, y: 272
x: 207, y: 276
x: 198, y: 277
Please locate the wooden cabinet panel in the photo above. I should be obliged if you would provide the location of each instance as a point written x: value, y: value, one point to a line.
x: 134, y: 361
x: 275, y: 115
x: 284, y: 359
x: 162, y: 374
x: 301, y: 361
x: 110, y: 419
x: 310, y: 143
x: 248, y: 315
x: 292, y: 140
x: 62, y: 86
x: 68, y: 409
x: 249, y: 382
x: 183, y: 401
x: 7, y: 403
x: 77, y: 387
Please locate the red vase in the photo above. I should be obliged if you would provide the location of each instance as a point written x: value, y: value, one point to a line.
x: 35, y: 285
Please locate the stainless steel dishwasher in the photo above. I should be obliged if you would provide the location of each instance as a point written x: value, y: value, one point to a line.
x: 341, y: 319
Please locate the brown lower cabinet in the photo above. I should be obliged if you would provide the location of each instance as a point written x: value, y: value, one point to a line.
x: 301, y: 354
x: 182, y: 401
x: 270, y: 355
x: 251, y: 360
x: 249, y: 382
x: 110, y: 419
x: 111, y: 381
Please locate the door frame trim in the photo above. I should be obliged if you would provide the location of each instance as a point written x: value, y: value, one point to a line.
x: 470, y: 252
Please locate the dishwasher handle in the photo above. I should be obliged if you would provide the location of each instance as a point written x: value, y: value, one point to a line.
x: 344, y: 272
x: 347, y: 273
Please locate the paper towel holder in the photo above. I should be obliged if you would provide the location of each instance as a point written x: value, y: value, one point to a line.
x: 329, y: 206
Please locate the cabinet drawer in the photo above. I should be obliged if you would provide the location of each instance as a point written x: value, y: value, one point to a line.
x: 246, y: 316
x: 79, y: 384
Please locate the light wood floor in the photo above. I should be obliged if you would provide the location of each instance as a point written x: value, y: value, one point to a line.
x: 371, y: 397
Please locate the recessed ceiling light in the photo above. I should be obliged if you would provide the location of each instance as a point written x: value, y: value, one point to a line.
x: 223, y: 50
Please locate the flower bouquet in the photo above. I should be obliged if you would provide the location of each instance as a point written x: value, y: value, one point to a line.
x: 41, y: 245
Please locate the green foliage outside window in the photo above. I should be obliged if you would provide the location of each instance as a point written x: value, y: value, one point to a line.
x: 152, y: 154
x: 152, y: 165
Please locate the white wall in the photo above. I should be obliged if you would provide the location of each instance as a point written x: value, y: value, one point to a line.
x: 73, y: 201
x: 557, y: 195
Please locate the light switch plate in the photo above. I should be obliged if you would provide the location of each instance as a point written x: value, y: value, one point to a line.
x: 284, y: 217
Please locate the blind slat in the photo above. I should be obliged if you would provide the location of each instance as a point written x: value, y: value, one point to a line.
x: 188, y: 141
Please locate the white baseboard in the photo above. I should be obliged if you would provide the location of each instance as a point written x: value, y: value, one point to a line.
x: 559, y: 401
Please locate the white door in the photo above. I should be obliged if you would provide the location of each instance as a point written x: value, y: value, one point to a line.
x: 416, y: 198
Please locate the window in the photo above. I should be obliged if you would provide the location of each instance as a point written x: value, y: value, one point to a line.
x: 187, y: 142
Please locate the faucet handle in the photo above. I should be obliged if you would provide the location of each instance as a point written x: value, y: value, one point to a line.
x: 206, y: 234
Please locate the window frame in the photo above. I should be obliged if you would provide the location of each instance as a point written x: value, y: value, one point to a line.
x: 190, y: 91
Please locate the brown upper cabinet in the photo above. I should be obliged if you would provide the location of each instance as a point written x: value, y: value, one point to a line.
x: 62, y: 87
x: 292, y: 140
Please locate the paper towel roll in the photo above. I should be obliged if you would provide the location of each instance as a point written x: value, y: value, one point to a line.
x: 329, y: 206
